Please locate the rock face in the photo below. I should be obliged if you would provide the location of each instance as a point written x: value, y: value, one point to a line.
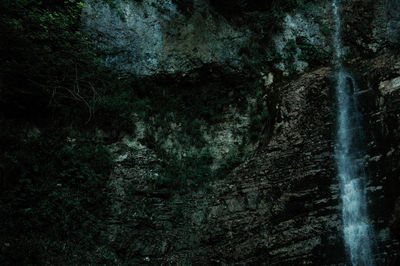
x: 282, y: 206
x: 307, y: 29
x: 381, y: 113
x: 152, y: 37
x: 370, y: 26
x: 279, y: 207
x: 393, y: 21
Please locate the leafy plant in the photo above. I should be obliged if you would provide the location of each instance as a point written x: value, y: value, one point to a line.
x: 312, y: 54
x: 50, y: 64
x: 56, y: 192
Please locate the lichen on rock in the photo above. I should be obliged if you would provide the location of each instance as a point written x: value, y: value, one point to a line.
x: 153, y: 37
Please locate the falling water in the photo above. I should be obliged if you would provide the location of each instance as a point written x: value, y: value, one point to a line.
x: 349, y: 159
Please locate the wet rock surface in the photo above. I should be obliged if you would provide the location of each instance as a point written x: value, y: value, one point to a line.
x: 379, y: 103
x: 282, y: 206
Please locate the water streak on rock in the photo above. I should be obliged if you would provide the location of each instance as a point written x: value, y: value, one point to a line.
x: 350, y: 159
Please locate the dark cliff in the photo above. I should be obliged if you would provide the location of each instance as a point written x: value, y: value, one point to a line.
x: 187, y: 133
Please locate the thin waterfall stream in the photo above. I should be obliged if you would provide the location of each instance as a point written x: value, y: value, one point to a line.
x: 350, y: 158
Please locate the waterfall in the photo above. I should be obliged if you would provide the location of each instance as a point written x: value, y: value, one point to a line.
x: 350, y: 159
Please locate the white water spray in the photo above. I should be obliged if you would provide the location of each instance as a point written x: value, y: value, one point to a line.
x: 349, y: 159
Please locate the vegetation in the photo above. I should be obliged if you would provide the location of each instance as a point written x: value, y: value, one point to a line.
x: 193, y: 107
x: 54, y: 194
x: 53, y: 185
x: 55, y: 92
x: 43, y: 56
x: 265, y: 16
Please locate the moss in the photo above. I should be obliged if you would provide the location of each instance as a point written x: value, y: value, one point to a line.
x: 188, y: 162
